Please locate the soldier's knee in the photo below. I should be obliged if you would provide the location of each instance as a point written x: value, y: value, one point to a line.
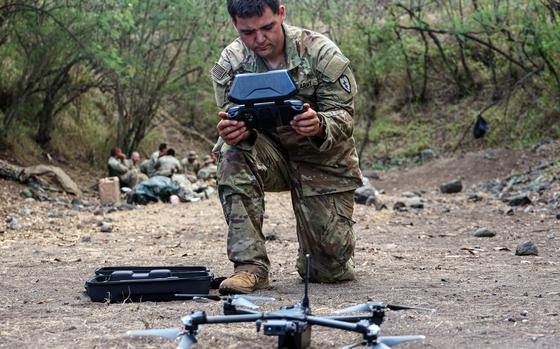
x: 338, y: 242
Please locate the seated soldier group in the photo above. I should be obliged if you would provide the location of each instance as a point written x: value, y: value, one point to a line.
x: 162, y: 162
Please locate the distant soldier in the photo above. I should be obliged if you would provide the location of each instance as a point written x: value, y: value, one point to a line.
x: 162, y: 150
x: 135, y: 157
x: 117, y: 167
x: 168, y: 165
x: 208, y: 169
x: 191, y: 165
x: 134, y: 161
x: 148, y: 166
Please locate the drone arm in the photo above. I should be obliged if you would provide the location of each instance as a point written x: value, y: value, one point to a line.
x: 337, y: 324
x: 221, y: 319
x: 350, y: 318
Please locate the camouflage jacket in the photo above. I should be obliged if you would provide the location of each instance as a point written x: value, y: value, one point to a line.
x: 116, y: 167
x: 325, y: 81
x: 168, y: 165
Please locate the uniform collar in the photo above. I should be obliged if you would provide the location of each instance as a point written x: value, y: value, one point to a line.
x: 253, y: 63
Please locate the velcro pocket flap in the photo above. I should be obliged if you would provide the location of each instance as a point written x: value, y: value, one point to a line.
x: 334, y: 67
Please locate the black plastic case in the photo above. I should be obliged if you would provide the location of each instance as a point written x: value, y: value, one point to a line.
x: 157, y: 283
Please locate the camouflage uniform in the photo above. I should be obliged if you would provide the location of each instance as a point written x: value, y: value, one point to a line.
x: 321, y: 174
x: 191, y: 167
x: 128, y: 176
x: 167, y: 165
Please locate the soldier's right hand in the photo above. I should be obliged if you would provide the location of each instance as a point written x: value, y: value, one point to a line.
x: 232, y: 131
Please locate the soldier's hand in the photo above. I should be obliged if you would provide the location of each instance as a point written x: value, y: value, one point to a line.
x: 307, y: 123
x: 232, y: 131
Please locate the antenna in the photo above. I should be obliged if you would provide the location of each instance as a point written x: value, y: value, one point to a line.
x: 305, y: 301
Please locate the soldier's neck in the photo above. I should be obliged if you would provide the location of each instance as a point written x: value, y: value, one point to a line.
x: 276, y: 63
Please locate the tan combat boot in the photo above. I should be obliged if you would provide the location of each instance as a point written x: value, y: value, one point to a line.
x: 243, y: 282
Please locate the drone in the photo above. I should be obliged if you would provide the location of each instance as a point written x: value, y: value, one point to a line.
x: 291, y: 324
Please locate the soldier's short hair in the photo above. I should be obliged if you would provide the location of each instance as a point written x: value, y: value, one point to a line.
x: 251, y: 8
x: 170, y: 152
x: 162, y: 146
x: 115, y: 151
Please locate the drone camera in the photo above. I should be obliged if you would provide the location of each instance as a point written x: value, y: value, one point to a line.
x: 281, y: 327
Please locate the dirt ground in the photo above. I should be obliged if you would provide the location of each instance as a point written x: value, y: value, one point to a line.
x: 485, y: 296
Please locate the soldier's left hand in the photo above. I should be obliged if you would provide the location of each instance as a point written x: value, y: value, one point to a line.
x: 307, y: 123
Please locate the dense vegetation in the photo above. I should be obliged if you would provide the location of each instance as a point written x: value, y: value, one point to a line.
x: 80, y: 76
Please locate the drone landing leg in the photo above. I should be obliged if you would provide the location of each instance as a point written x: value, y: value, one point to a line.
x: 299, y: 340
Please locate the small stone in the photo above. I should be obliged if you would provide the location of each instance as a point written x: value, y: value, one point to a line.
x: 26, y: 193
x: 538, y: 187
x: 558, y: 216
x: 474, y: 198
x: 86, y: 238
x: 427, y: 155
x: 77, y: 202
x: 26, y: 211
x: 409, y: 194
x: 519, y: 200
x: 371, y: 174
x: 106, y: 227
x: 451, y: 187
x: 524, y: 313
x: 374, y: 200
x: 484, y: 233
x: 416, y: 203
x: 489, y: 155
x: 125, y: 207
x: 399, y: 206
x: 13, y: 224
x: 526, y: 248
x: 362, y: 194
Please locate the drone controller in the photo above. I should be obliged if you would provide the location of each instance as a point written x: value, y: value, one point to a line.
x: 263, y: 99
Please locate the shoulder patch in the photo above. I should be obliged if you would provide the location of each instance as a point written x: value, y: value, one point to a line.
x: 218, y: 72
x: 334, y: 67
x: 345, y: 83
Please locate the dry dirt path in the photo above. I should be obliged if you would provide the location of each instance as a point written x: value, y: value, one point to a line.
x: 485, y: 295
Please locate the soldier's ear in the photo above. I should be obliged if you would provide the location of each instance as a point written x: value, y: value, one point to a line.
x: 282, y: 12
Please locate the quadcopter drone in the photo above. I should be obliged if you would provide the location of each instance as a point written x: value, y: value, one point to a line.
x: 292, y: 324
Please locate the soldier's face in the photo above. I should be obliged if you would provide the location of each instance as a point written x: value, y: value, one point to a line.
x: 264, y: 34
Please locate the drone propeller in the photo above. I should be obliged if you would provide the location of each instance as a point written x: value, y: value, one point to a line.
x: 370, y: 306
x: 169, y: 333
x: 238, y: 300
x: 391, y: 341
x: 385, y: 342
x: 186, y: 341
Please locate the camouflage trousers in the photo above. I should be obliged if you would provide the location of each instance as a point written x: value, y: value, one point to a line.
x: 132, y: 177
x: 324, y: 222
